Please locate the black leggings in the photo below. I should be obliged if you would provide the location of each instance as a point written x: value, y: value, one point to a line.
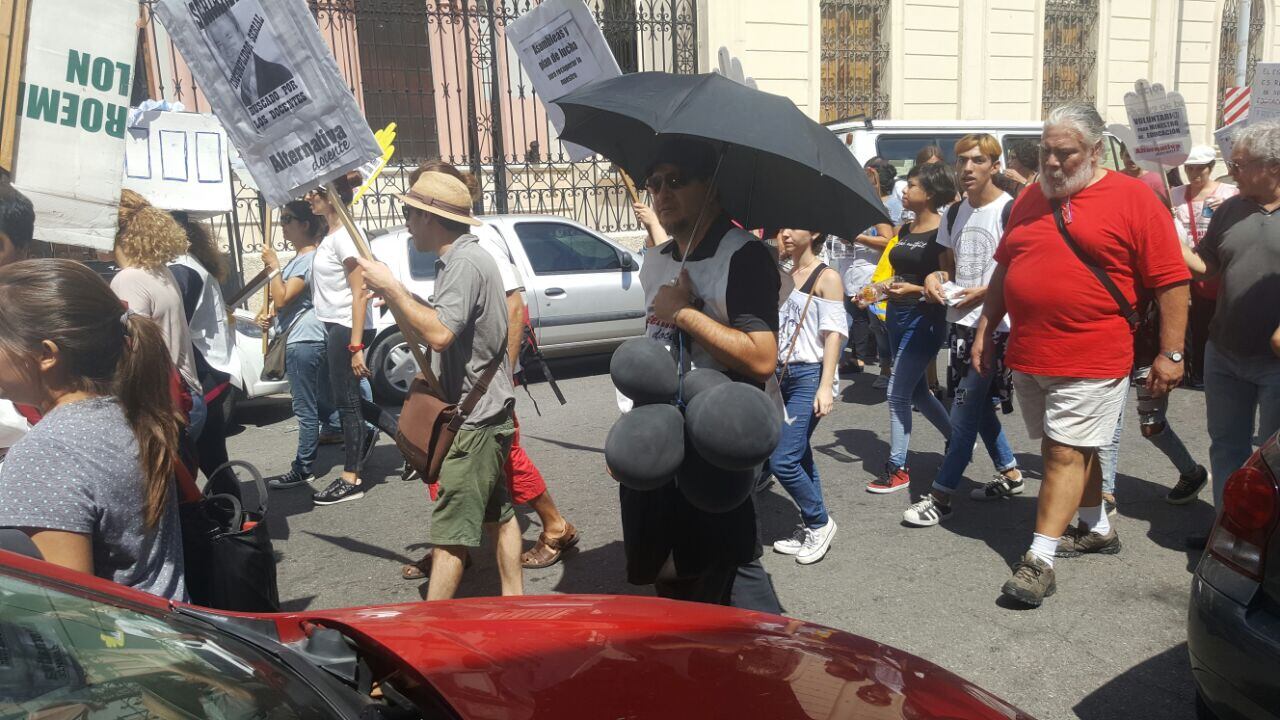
x: 345, y: 387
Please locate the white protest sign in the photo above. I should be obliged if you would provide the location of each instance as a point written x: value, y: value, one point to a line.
x: 562, y: 48
x: 73, y: 105
x: 178, y: 161
x: 1159, y: 121
x: 1225, y: 137
x: 275, y: 88
x: 1264, y: 93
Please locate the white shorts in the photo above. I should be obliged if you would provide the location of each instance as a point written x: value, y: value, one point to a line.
x: 1081, y: 412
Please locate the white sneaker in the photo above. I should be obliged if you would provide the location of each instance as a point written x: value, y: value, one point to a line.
x: 816, y: 543
x: 791, y: 545
x: 926, y: 513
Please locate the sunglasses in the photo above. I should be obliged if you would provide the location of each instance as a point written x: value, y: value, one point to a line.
x: 1233, y: 167
x: 409, y: 211
x: 655, y: 183
x: 286, y: 218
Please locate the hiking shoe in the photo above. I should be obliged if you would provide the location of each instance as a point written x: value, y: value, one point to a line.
x: 1080, y: 540
x: 1188, y: 487
x: 338, y: 491
x: 1002, y: 487
x: 926, y: 512
x: 1032, y: 581
x: 891, y: 480
x: 816, y: 543
x: 291, y: 479
x: 791, y: 545
x: 881, y: 382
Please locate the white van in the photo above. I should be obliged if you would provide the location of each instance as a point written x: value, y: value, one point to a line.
x: 898, y: 141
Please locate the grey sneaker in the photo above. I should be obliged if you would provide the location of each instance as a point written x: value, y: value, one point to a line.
x: 1188, y: 487
x: 1080, y: 540
x: 291, y: 479
x: 1032, y: 581
x: 1001, y: 487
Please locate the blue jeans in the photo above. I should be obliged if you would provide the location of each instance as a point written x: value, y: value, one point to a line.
x: 307, y: 370
x: 1235, y: 389
x: 916, y: 333
x: 792, y: 460
x: 973, y: 413
x: 1151, y: 411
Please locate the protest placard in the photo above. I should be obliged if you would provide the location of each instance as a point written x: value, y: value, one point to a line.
x: 178, y: 161
x: 72, y: 107
x: 1159, y: 122
x: 275, y: 88
x: 1264, y: 93
x: 562, y: 49
x: 1225, y: 137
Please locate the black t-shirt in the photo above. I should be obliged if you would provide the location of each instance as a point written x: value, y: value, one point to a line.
x: 914, y: 257
x: 1243, y: 240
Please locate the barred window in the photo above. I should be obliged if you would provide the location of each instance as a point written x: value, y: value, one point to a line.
x: 1070, y: 52
x: 855, y: 59
x: 1228, y: 47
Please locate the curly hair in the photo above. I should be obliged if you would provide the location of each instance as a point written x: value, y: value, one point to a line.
x: 148, y: 236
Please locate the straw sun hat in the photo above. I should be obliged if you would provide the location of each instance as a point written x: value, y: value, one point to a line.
x: 443, y: 195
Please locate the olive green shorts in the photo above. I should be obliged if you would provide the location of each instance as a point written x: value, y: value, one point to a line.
x: 473, y: 485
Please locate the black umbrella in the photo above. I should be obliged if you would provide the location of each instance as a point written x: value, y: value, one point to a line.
x: 779, y: 168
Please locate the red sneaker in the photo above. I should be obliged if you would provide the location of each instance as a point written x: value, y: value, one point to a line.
x: 891, y: 480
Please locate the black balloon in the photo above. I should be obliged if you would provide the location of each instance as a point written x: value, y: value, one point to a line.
x: 646, y: 446
x: 712, y: 489
x: 735, y: 426
x: 643, y: 370
x: 700, y: 380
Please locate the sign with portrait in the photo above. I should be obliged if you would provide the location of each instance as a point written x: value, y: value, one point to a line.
x: 275, y: 88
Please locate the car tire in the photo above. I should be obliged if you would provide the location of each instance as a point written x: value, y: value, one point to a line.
x: 393, y: 369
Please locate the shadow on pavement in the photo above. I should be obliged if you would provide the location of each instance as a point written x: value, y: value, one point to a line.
x: 1160, y: 687
x: 382, y: 466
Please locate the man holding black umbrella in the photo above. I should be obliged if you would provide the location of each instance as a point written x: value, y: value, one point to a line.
x: 713, y: 290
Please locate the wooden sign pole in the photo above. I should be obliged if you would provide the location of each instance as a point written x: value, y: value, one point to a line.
x: 267, y: 214
x: 410, y: 334
x: 13, y: 38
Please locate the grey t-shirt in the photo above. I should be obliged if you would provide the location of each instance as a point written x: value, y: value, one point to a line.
x: 469, y: 298
x: 302, y: 309
x: 78, y: 471
x: 1243, y: 240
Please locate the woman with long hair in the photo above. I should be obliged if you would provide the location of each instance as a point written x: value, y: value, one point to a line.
x: 342, y: 305
x: 93, y: 482
x: 917, y: 329
x: 304, y: 354
x: 811, y: 335
x: 197, y: 274
x: 147, y: 240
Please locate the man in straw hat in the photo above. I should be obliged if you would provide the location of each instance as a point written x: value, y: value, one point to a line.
x: 465, y: 323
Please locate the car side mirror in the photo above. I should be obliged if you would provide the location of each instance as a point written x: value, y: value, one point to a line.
x: 629, y: 262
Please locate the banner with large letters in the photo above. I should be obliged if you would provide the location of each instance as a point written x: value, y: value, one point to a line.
x: 275, y: 88
x: 73, y: 105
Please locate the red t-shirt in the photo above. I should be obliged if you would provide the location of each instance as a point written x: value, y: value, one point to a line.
x: 1064, y: 322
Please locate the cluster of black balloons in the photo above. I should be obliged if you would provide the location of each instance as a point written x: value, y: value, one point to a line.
x: 712, y: 449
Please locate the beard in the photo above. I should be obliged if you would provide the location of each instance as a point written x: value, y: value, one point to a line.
x: 1057, y: 184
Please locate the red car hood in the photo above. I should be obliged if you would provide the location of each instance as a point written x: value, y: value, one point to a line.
x: 585, y: 656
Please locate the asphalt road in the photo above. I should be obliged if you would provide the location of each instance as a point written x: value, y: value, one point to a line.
x: 1110, y: 644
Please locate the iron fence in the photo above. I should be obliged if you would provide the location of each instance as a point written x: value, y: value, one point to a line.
x: 445, y: 74
x: 1229, y: 46
x: 855, y: 59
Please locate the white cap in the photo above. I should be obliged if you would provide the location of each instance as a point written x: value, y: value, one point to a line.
x: 1201, y: 155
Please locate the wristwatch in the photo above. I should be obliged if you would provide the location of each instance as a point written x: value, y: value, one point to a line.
x: 1173, y: 355
x: 355, y: 347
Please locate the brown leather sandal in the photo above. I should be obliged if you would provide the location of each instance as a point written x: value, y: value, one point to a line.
x: 548, y: 551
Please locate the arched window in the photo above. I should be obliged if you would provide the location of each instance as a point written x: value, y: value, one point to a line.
x: 1070, y: 51
x: 1228, y: 47
x: 855, y: 59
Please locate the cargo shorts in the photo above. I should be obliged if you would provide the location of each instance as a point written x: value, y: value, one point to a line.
x: 473, y: 485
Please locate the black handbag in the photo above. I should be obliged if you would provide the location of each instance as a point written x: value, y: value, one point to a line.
x: 227, y: 552
x: 1144, y: 320
x: 273, y: 361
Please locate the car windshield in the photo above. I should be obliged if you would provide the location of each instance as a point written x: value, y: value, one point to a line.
x: 65, y: 657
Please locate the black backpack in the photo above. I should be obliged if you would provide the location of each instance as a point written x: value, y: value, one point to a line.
x: 954, y: 211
